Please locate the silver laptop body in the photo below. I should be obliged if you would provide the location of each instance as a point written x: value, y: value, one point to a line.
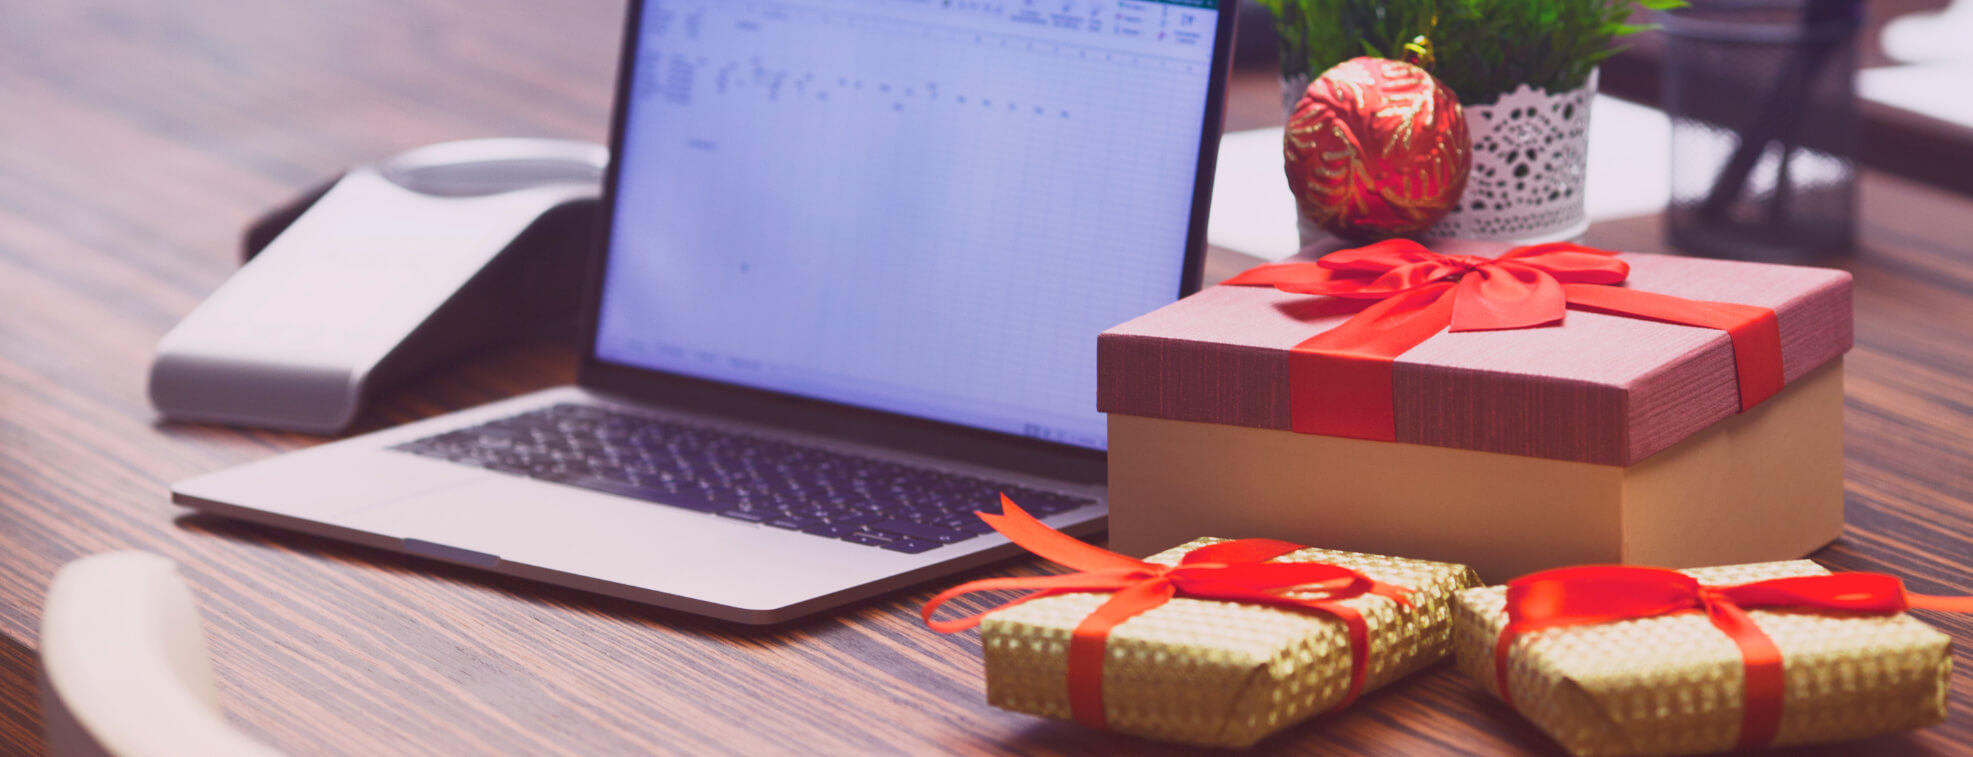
x: 881, y: 229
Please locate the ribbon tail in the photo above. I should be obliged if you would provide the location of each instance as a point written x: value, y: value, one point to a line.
x: 1340, y: 380
x: 1044, y: 586
x: 1503, y: 650
x: 1052, y: 545
x: 966, y: 623
x: 1359, y: 631
x: 1091, y: 642
x: 1764, y: 684
x: 1755, y: 332
x: 1944, y: 604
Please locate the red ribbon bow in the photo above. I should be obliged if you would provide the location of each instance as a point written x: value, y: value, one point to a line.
x: 1412, y: 293
x: 1233, y: 571
x: 1607, y: 593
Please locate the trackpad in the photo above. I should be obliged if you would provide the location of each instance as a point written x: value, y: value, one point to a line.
x: 522, y: 521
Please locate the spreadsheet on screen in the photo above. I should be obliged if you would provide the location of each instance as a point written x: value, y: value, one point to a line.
x: 929, y: 208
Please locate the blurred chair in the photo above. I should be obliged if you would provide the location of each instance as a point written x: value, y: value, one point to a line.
x: 123, y: 665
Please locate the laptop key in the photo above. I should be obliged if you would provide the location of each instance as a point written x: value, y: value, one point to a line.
x: 911, y: 546
x: 922, y: 532
x: 505, y: 466
x: 795, y: 524
x: 854, y: 517
x: 681, y: 499
x: 977, y: 526
x: 613, y: 474
x: 831, y: 530
x: 1049, y: 505
x: 751, y: 516
x: 547, y: 469
x: 870, y: 538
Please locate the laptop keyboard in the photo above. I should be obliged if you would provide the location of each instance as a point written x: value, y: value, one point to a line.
x: 813, y: 490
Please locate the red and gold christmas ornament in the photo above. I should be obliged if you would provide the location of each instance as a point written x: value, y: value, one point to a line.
x: 1375, y: 149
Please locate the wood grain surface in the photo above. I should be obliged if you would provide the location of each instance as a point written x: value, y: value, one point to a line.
x: 137, y: 139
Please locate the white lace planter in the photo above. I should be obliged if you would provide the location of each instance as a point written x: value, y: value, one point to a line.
x: 1530, y: 157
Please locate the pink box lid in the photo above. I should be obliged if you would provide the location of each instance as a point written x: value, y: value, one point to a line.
x: 1599, y: 388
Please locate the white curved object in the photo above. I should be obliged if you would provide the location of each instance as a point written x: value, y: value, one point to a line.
x: 123, y: 665
x: 1930, y: 37
x: 302, y: 332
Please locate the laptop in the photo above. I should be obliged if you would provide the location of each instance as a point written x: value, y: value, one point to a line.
x: 854, y: 260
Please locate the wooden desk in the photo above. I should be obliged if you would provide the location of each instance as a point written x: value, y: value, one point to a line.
x: 136, y: 139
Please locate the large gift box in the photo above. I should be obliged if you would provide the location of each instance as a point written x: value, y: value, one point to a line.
x: 1623, y: 660
x: 1214, y: 643
x: 1512, y: 411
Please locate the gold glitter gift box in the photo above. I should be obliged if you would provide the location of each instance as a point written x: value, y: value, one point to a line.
x: 1677, y: 683
x: 1220, y: 673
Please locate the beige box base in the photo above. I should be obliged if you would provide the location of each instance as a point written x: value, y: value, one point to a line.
x: 1763, y: 485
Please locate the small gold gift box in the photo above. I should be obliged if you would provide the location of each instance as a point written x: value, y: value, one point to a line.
x: 1220, y: 673
x: 1678, y: 684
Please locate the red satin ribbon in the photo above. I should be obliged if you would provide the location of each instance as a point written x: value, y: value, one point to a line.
x: 1607, y: 593
x: 1232, y: 571
x: 1412, y: 293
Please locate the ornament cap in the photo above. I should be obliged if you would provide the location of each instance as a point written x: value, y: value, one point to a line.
x: 1418, y: 52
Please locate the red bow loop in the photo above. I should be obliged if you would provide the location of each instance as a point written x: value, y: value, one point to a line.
x: 1598, y: 594
x: 1507, y: 295
x: 1373, y: 260
x: 1520, y: 289
x: 1055, y: 546
x: 1572, y: 263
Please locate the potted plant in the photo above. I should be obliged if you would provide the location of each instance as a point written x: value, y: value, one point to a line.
x: 1524, y: 72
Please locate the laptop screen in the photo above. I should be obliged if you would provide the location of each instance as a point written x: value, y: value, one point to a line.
x: 924, y: 207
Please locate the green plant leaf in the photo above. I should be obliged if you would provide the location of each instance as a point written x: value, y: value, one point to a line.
x: 1483, y: 48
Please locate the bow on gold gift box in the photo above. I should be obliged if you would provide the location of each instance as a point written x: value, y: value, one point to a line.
x: 1215, y: 642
